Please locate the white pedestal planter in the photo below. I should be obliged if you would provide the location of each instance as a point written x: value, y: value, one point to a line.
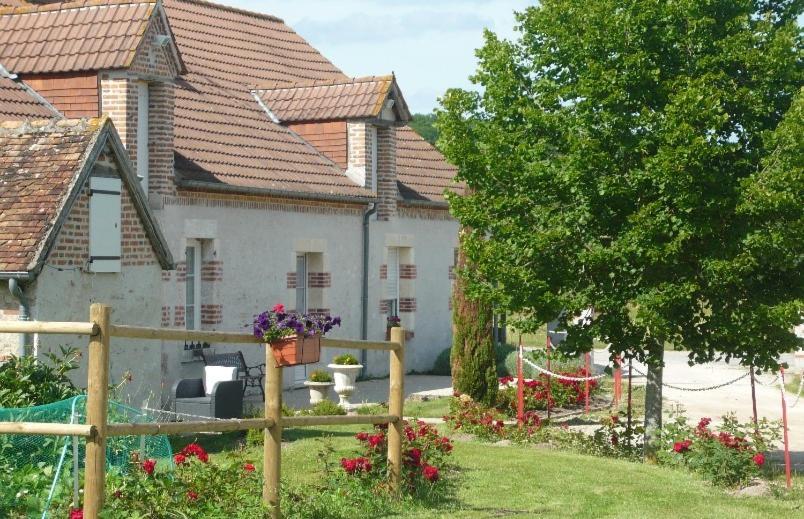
x: 345, y: 375
x: 318, y: 390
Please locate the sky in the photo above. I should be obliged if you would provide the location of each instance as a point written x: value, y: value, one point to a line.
x: 428, y: 44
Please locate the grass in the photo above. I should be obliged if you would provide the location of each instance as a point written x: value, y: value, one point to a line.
x: 517, y: 481
x: 433, y: 408
x: 792, y: 384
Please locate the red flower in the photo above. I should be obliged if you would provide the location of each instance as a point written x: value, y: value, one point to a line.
x: 195, y: 450
x: 506, y: 380
x: 414, y: 456
x: 278, y: 308
x: 430, y: 473
x: 76, y: 513
x: 363, y: 464
x: 118, y: 494
x: 682, y: 447
x: 615, y: 440
x: 615, y: 418
x: 179, y: 459
x: 350, y: 466
x: 758, y: 459
x: 375, y: 440
x: 192, y: 496
x: 148, y: 466
x: 248, y: 467
x: 362, y: 436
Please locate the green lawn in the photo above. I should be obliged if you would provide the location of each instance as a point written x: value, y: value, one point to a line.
x: 433, y: 408
x: 519, y: 481
x: 792, y: 384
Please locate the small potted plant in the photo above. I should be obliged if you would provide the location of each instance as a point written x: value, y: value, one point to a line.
x: 294, y: 338
x: 319, y: 383
x: 393, y: 321
x: 346, y: 368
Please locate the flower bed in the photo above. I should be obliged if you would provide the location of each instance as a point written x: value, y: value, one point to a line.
x: 562, y: 394
x: 488, y: 424
x: 730, y: 455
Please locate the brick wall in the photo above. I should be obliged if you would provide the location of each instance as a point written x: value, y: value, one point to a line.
x: 211, y: 314
x: 178, y: 316
x: 327, y: 137
x: 360, y: 162
x: 165, y: 316
x: 74, y: 94
x: 407, y: 271
x: 72, y: 244
x: 407, y: 304
x: 211, y: 271
x: 387, y: 190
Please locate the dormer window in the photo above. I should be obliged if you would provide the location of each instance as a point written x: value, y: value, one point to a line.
x: 143, y: 99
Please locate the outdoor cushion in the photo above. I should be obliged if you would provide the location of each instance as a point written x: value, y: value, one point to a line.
x: 215, y: 374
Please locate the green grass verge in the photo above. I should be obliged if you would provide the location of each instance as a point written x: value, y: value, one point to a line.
x: 433, y: 408
x: 517, y: 481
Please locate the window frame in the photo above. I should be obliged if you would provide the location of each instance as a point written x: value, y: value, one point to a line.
x: 192, y: 275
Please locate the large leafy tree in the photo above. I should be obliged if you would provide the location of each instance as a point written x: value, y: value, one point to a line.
x: 621, y: 157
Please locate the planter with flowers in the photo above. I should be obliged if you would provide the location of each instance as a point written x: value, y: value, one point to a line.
x: 393, y: 321
x: 346, y: 368
x: 319, y: 383
x: 294, y: 338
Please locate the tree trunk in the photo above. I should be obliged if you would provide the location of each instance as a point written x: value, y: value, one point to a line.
x: 653, y: 401
x: 474, y: 370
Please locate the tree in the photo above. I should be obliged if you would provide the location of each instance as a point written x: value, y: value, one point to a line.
x: 474, y: 365
x: 611, y: 159
x: 423, y: 124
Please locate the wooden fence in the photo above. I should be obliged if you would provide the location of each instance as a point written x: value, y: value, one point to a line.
x: 100, y: 330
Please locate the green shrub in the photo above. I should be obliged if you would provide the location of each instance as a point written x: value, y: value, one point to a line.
x: 256, y: 436
x: 325, y: 408
x: 347, y: 359
x: 373, y: 409
x: 26, y: 382
x: 442, y: 366
x: 320, y: 375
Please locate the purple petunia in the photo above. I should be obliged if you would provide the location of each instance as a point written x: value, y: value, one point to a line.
x: 277, y: 323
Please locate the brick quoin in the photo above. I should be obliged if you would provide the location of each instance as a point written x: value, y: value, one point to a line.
x: 211, y: 314
x: 387, y: 190
x: 178, y: 316
x: 407, y: 304
x: 181, y: 271
x: 385, y: 306
x: 319, y: 279
x: 212, y: 271
x: 383, y: 271
x: 407, y: 271
x: 167, y: 275
x: 165, y: 316
x: 291, y: 280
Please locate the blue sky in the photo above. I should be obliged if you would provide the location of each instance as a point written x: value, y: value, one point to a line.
x: 429, y: 44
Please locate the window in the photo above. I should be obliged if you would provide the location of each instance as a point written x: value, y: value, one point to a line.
x: 392, y: 283
x: 192, y: 306
x: 142, y: 133
x: 104, y: 224
x: 301, y: 283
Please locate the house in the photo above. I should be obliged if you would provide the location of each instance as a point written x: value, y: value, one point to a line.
x: 273, y: 176
x: 75, y: 227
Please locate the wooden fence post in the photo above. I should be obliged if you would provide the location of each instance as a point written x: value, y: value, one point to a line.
x: 272, y: 450
x: 396, y: 399
x: 97, y: 411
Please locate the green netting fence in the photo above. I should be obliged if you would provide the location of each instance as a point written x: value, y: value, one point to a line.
x: 36, y: 471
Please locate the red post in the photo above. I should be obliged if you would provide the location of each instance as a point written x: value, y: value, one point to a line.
x: 588, y: 364
x: 628, y: 412
x: 520, y: 387
x: 549, y: 378
x: 787, y: 466
x: 618, y: 380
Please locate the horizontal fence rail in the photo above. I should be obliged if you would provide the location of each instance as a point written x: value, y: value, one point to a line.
x: 97, y: 429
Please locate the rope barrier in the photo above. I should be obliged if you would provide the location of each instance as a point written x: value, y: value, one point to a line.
x: 708, y: 388
x: 560, y: 376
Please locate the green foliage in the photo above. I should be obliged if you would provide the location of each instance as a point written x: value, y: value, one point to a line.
x: 320, y: 375
x: 25, y: 381
x: 346, y: 359
x: 502, y: 352
x: 424, y: 125
x: 474, y: 366
x: 638, y: 166
x: 442, y: 366
x: 731, y: 455
x: 373, y: 409
x: 324, y: 408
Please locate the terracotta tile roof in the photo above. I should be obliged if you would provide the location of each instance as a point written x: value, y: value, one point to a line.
x: 222, y: 134
x: 37, y: 165
x: 358, y: 98
x: 68, y: 37
x: 422, y: 172
x: 17, y: 102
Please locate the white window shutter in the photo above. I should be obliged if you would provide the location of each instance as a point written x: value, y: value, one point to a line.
x: 104, y: 225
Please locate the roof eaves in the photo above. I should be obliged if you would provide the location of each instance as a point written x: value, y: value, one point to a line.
x: 200, y: 185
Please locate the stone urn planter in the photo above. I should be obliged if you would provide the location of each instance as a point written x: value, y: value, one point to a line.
x: 345, y: 370
x: 318, y: 390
